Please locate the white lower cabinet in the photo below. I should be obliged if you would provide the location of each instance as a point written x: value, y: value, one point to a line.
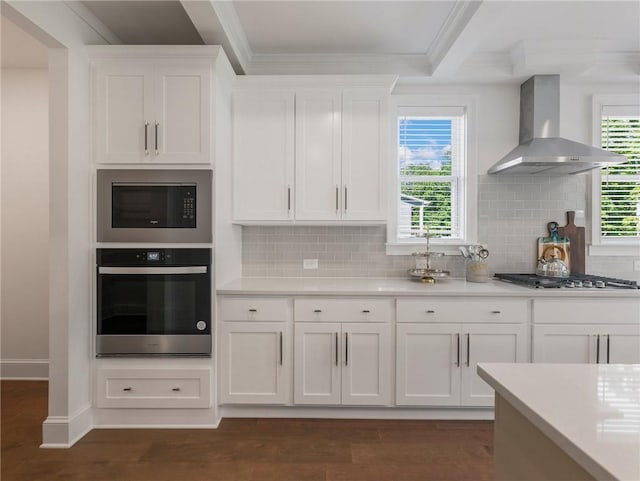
x: 342, y: 363
x: 586, y: 343
x: 599, y: 331
x: 255, y: 363
x: 436, y: 363
x: 153, y: 388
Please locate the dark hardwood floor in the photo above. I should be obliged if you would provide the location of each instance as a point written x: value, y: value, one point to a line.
x: 244, y: 449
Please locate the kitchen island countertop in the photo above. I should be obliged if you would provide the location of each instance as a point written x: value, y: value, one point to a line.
x: 589, y: 411
x: 336, y: 286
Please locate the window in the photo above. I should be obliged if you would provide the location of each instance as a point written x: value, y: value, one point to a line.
x: 616, y: 189
x: 432, y: 178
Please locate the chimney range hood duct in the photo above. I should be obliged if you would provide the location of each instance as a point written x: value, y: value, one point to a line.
x: 541, y: 151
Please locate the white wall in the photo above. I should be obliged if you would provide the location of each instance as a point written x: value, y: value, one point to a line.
x: 25, y: 223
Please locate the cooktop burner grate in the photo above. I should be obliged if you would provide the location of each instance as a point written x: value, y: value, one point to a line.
x: 574, y: 280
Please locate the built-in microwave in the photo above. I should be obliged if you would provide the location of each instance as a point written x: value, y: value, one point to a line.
x: 154, y: 205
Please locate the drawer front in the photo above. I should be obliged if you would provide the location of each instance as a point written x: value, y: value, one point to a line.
x: 154, y: 388
x: 586, y: 311
x: 463, y: 310
x: 255, y: 309
x: 341, y: 310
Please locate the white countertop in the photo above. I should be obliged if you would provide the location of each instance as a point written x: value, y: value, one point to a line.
x: 336, y: 286
x: 592, y: 412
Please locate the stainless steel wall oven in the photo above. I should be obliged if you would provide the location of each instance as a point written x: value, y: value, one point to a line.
x: 154, y: 205
x: 153, y: 302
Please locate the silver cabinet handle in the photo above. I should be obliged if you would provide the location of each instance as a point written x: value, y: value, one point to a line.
x: 337, y: 195
x: 608, y: 347
x: 468, y: 348
x: 281, y: 350
x: 127, y: 389
x: 146, y: 138
x: 176, y: 389
x: 345, y: 198
x: 458, y: 350
x: 289, y: 198
x: 598, y: 350
x: 346, y: 348
x: 156, y: 143
x: 336, y: 348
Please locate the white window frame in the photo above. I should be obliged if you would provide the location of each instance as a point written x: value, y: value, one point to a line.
x: 599, y: 245
x: 468, y: 177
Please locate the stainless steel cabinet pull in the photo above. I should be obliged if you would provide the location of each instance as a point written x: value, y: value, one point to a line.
x: 156, y: 128
x: 253, y: 310
x: 127, y: 389
x: 281, y: 353
x: 608, y: 347
x: 468, y: 348
x: 345, y: 198
x: 430, y: 311
x: 495, y: 312
x: 336, y: 348
x: 176, y: 389
x: 317, y: 311
x: 598, y: 350
x: 289, y: 198
x: 458, y: 350
x: 337, y: 195
x: 366, y: 311
x: 146, y: 138
x: 346, y: 348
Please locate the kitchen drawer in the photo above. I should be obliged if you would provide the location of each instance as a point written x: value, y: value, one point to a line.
x: 455, y: 309
x: 340, y: 310
x: 586, y: 311
x: 154, y: 388
x: 255, y: 309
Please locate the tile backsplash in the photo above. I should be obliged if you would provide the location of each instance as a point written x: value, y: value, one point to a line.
x: 513, y: 211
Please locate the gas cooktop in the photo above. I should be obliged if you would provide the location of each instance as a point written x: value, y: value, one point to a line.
x: 573, y: 281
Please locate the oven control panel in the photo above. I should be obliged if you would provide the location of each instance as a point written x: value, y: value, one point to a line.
x: 149, y: 257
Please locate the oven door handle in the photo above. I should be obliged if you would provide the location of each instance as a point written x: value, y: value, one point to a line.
x: 153, y: 270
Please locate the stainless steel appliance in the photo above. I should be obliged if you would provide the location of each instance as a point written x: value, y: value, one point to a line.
x: 154, y: 205
x: 575, y: 281
x: 153, y: 302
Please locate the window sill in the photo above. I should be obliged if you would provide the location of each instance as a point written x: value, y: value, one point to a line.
x: 621, y: 250
x: 408, y: 249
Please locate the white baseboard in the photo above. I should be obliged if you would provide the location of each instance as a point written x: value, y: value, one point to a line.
x: 64, y: 431
x: 24, y: 369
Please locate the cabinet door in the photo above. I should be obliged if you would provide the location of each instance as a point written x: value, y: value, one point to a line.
x: 428, y: 364
x: 255, y: 362
x: 263, y: 153
x: 181, y: 127
x: 318, y: 155
x: 488, y: 343
x: 317, y: 363
x: 620, y: 344
x: 564, y: 343
x: 123, y: 100
x: 364, y: 155
x: 366, y: 370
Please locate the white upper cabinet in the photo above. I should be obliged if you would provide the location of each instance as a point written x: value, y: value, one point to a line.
x: 318, y: 156
x: 309, y: 154
x: 263, y: 154
x: 364, y: 150
x: 152, y: 112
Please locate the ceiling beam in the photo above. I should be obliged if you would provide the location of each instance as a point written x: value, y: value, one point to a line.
x: 218, y: 24
x: 88, y: 17
x: 468, y: 23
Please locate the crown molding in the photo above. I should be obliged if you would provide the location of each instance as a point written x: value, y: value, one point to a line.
x: 312, y: 81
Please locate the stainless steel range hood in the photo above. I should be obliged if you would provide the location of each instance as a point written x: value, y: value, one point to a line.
x: 541, y: 150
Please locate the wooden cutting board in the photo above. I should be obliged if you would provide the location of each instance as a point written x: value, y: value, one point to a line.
x: 576, y: 237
